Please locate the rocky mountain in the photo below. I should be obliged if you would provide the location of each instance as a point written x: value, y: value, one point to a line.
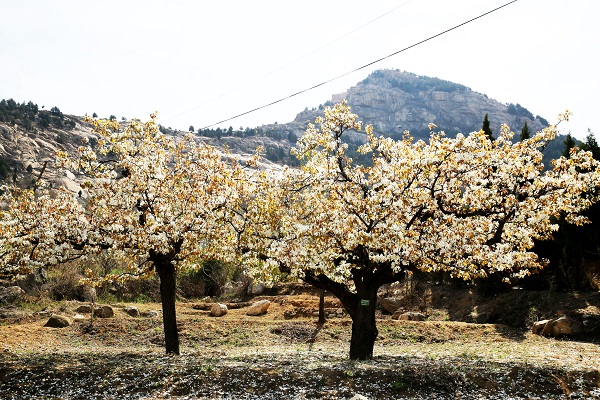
x: 28, y: 151
x: 391, y: 100
x: 394, y: 101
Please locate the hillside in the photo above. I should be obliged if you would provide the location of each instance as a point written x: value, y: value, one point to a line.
x: 30, y: 138
x: 391, y: 100
x: 394, y: 101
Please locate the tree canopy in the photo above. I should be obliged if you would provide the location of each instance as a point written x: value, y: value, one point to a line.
x: 467, y: 205
x: 158, y: 203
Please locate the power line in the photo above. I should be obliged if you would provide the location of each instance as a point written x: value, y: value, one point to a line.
x: 362, y: 67
x: 290, y: 63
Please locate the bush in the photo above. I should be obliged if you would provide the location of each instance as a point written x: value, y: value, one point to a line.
x: 207, y: 279
x: 64, y: 283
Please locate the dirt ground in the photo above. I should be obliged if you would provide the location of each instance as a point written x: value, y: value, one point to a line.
x: 274, y: 356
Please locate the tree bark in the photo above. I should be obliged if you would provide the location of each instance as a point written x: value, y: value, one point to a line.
x: 364, y: 328
x: 360, y: 305
x: 166, y: 273
x: 322, y: 307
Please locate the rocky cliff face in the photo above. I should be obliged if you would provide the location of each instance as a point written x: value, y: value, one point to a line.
x: 27, y: 153
x: 394, y: 101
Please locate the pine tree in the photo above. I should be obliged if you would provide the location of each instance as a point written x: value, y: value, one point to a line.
x: 525, y: 134
x: 591, y: 144
x: 569, y: 144
x: 486, y: 128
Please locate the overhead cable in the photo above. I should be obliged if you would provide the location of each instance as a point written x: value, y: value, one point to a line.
x: 361, y: 67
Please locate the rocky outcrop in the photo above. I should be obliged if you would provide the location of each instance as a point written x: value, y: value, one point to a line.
x: 234, y: 290
x: 256, y: 289
x: 394, y: 101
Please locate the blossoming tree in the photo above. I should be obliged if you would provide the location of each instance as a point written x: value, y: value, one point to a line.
x: 466, y: 205
x: 161, y: 204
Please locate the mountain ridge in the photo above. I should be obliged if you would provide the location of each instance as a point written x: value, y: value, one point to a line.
x: 391, y: 100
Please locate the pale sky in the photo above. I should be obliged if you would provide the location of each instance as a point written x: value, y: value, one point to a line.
x: 200, y: 62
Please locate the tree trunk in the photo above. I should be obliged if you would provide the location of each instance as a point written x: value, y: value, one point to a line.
x: 166, y: 273
x: 322, y: 307
x: 360, y: 305
x: 364, y: 328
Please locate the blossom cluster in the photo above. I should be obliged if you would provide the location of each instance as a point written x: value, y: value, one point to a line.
x: 142, y: 193
x: 466, y: 205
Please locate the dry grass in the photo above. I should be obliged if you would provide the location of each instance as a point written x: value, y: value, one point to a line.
x: 238, y: 356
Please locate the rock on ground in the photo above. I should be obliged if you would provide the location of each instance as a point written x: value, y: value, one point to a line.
x: 58, y: 321
x: 84, y: 309
x: 558, y: 327
x: 104, y: 312
x: 258, y: 308
x: 218, y: 310
x: 408, y: 316
x: 150, y: 314
x: 78, y: 317
x: 390, y: 304
x: 132, y: 311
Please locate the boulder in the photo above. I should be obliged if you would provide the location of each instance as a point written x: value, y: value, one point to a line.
x: 58, y: 321
x: 565, y: 326
x: 408, y: 316
x: 558, y: 327
x: 233, y: 289
x: 150, y: 314
x: 256, y: 289
x: 84, y: 309
x: 390, y: 304
x: 132, y: 311
x: 218, y: 310
x: 258, y: 308
x: 104, y: 312
x: 85, y: 293
x: 538, y: 326
x: 10, y: 294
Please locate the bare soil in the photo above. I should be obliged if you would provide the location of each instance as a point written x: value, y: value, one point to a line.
x: 271, y: 357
